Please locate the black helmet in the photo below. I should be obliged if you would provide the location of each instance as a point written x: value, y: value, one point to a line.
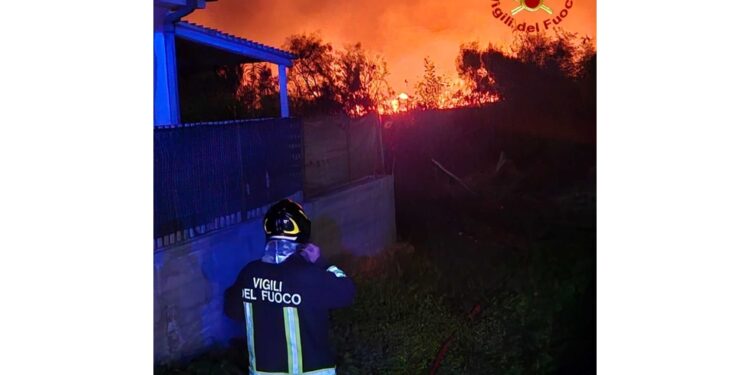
x: 286, y: 220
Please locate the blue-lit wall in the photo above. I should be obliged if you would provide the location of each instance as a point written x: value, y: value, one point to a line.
x: 359, y: 219
x: 189, y: 283
x: 190, y: 278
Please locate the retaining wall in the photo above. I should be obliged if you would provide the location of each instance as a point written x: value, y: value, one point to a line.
x: 190, y: 278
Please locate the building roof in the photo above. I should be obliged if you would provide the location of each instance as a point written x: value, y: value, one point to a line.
x: 232, y: 44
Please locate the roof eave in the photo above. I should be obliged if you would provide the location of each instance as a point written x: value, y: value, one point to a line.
x: 236, y: 45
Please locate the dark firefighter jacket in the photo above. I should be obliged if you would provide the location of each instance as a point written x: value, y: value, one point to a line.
x: 285, y: 308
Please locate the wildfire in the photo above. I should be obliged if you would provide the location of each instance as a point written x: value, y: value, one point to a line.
x: 459, y: 94
x: 456, y: 94
x: 401, y: 103
x: 358, y: 111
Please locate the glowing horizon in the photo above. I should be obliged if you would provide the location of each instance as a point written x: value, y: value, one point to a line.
x: 404, y: 33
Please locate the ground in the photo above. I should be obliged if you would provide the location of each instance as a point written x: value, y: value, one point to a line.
x: 525, y: 261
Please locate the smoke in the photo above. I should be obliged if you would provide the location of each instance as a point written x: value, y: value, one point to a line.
x: 404, y: 32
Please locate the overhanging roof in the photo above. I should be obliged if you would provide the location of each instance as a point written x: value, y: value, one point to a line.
x: 254, y: 51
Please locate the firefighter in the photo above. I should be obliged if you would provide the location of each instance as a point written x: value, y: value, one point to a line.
x: 284, y: 298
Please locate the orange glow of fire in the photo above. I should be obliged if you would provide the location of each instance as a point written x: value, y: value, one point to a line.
x: 457, y: 94
x: 358, y: 111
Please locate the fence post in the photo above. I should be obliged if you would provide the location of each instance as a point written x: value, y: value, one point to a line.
x: 347, y: 127
x: 380, y: 145
x: 243, y: 181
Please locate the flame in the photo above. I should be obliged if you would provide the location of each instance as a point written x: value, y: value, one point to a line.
x: 457, y: 94
x: 358, y: 111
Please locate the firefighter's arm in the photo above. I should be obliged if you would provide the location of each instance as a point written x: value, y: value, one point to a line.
x: 334, y: 287
x: 337, y: 289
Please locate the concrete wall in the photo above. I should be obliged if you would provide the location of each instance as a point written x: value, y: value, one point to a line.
x: 358, y: 219
x: 190, y: 278
x: 189, y: 283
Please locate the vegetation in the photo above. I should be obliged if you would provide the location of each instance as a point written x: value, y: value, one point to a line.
x: 557, y: 70
x: 258, y: 91
x: 537, y: 70
x: 324, y: 81
x: 532, y: 276
x: 430, y: 87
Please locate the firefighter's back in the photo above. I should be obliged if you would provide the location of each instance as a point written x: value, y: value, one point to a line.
x: 286, y: 315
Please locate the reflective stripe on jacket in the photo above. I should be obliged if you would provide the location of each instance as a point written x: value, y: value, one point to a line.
x: 285, y: 309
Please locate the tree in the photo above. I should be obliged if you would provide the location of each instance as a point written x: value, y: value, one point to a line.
x: 480, y: 84
x: 430, y: 87
x: 324, y: 81
x: 259, y: 92
x: 538, y: 72
x: 361, y: 81
x: 558, y: 55
x: 312, y: 76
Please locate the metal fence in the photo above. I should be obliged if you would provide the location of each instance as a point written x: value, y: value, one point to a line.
x: 210, y: 175
x: 340, y: 150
